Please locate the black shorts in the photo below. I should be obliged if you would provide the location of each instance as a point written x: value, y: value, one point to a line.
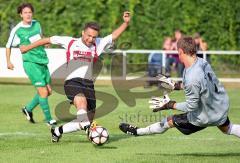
x: 181, y: 122
x: 77, y: 86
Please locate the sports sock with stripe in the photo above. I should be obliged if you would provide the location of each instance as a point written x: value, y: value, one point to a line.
x: 45, y: 107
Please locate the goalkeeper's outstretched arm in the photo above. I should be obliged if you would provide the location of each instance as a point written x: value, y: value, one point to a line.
x: 25, y: 48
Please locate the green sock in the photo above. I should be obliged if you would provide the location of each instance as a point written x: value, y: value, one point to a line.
x: 45, y: 107
x: 31, y: 105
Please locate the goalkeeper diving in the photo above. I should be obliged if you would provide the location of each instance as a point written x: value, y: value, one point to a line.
x: 207, y: 103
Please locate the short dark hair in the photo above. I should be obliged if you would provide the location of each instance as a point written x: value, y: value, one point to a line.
x: 92, y: 25
x: 187, y: 44
x: 22, y: 6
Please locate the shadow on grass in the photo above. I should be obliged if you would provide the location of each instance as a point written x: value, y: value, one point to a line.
x: 115, y: 138
x: 195, y: 154
x: 105, y: 146
x: 112, y: 138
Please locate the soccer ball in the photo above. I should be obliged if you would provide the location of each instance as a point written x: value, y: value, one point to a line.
x: 98, y: 135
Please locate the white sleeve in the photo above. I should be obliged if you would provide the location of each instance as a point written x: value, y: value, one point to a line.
x: 60, y: 40
x: 102, y: 42
x: 13, y: 39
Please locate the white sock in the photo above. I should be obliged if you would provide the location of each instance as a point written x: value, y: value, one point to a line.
x: 83, y: 118
x: 56, y: 131
x: 234, y: 130
x: 71, y: 127
x: 156, y: 128
x: 75, y: 125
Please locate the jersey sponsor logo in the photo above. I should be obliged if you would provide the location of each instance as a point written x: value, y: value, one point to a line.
x: 38, y: 83
x: 84, y: 56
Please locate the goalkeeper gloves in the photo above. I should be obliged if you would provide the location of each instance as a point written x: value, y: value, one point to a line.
x: 168, y: 83
x: 158, y: 104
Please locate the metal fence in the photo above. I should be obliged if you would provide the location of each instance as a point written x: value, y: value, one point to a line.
x: 164, y: 53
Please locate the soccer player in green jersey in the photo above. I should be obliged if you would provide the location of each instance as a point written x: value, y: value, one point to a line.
x: 34, y: 61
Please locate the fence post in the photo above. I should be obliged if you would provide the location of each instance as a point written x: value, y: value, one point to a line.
x: 163, y: 62
x: 124, y: 71
x: 204, y: 56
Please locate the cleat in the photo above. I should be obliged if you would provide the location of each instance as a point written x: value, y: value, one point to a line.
x: 93, y: 124
x: 28, y: 114
x: 52, y: 122
x: 128, y: 129
x: 89, y: 127
x: 55, y: 138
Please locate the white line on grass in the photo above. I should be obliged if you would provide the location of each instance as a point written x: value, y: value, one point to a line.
x: 18, y: 134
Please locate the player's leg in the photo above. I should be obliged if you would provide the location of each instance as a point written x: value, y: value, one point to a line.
x: 43, y: 101
x: 49, y: 89
x: 156, y: 128
x: 76, y: 91
x: 40, y: 78
x: 77, y: 124
x: 44, y: 90
x: 230, y: 129
x: 180, y: 121
x: 27, y: 110
x: 47, y: 78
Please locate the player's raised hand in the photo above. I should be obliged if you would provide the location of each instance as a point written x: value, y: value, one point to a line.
x: 126, y: 17
x: 10, y: 66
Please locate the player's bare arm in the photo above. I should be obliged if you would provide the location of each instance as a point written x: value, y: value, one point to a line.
x: 25, y: 48
x: 123, y: 26
x: 9, y: 63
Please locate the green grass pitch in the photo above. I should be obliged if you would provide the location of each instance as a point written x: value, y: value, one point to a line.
x: 21, y: 141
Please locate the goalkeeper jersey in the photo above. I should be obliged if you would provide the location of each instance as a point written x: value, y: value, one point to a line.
x: 207, y: 102
x: 24, y: 35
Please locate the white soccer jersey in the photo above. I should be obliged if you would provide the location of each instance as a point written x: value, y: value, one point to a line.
x: 81, y: 57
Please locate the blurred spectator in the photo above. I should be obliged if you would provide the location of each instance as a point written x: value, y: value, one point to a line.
x: 177, y: 35
x: 172, y: 59
x: 154, y: 67
x: 201, y: 45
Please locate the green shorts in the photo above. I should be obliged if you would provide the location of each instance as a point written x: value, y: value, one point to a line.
x: 37, y: 73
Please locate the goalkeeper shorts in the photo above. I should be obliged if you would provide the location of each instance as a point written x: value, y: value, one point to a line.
x: 181, y: 122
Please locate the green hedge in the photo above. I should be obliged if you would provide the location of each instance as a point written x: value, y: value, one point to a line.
x: 218, y: 21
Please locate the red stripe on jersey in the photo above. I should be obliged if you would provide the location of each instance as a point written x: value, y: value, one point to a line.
x: 68, y: 50
x: 82, y: 55
x: 95, y: 55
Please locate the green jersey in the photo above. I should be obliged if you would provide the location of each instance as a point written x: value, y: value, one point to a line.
x: 24, y: 35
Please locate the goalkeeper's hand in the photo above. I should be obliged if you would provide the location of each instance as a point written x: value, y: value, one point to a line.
x: 158, y: 104
x: 168, y: 83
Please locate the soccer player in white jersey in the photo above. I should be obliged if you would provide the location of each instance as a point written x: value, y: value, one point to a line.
x: 79, y: 85
x: 207, y: 103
